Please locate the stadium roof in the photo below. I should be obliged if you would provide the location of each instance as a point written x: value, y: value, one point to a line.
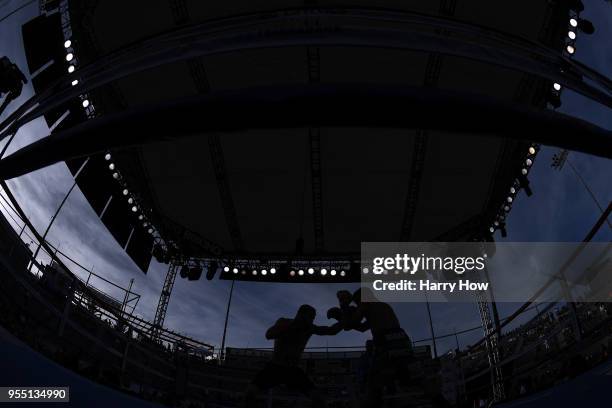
x: 315, y: 191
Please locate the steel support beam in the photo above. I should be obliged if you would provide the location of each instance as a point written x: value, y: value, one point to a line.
x: 338, y: 27
x: 312, y: 105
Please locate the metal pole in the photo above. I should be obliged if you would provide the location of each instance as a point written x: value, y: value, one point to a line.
x: 586, y: 186
x: 229, y: 303
x: 44, y: 236
x: 431, y: 328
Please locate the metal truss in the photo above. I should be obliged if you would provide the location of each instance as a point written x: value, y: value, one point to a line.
x: 164, y: 299
x: 335, y: 27
x: 497, y: 381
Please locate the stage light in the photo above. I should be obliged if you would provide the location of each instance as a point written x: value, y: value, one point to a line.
x: 235, y: 270
x: 195, y: 273
x: 366, y: 270
x: 532, y: 150
x: 496, y: 223
x: 141, y: 217
x: 528, y: 162
x: 125, y: 191
x: 571, y: 35
x: 512, y: 190
x: 254, y: 272
x: 211, y: 270
x: 342, y: 273
x: 573, y: 22
x: 310, y: 271
x: 300, y: 272
x: 130, y: 200
x: 492, y: 230
x: 323, y: 272
x: 506, y: 208
x: 69, y: 56
x: 71, y: 69
x: 556, y: 86
x: 116, y: 176
x: 243, y: 272
x: 67, y: 44
x: 75, y: 82
x: 524, y: 172
x: 150, y: 231
x: 107, y: 156
x: 292, y: 273
x: 264, y: 272
x: 332, y: 272
x: 570, y: 49
x: 85, y: 103
x: 509, y: 199
x: 144, y: 224
x: 134, y: 209
x: 226, y: 269
x: 272, y: 271
x: 111, y: 166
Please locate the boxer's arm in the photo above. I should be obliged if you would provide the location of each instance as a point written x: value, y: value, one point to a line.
x: 327, y: 330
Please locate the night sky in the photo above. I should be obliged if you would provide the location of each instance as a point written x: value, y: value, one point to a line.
x: 559, y: 210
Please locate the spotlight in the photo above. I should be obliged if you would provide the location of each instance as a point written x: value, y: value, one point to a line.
x: 264, y: 272
x: 111, y: 166
x: 254, y: 272
x: 67, y: 44
x: 332, y: 272
x: 116, y: 176
x: 366, y: 270
x: 107, y: 156
x: 556, y: 86
x: 75, y: 82
x: 226, y: 269
x: 85, y: 103
x: 300, y: 272
x: 134, y: 209
x: 532, y: 150
x: 570, y: 49
x: 512, y: 190
x: 492, y: 230
x: 496, y: 223
x: 342, y: 273
x: 528, y: 162
x: 506, y: 208
x: 310, y: 271
x: 71, y: 69
x: 509, y: 199
x: 144, y: 224
x: 150, y: 231
x: 69, y: 56
x: 272, y: 271
x: 524, y: 172
x: 571, y: 35
x: 525, y: 185
x: 502, y: 228
x: 235, y: 270
x: 243, y: 272
x: 125, y: 191
x: 573, y: 22
x: 141, y: 217
x: 323, y: 272
x: 292, y: 273
x: 195, y: 273
x: 211, y: 271
x: 586, y: 26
